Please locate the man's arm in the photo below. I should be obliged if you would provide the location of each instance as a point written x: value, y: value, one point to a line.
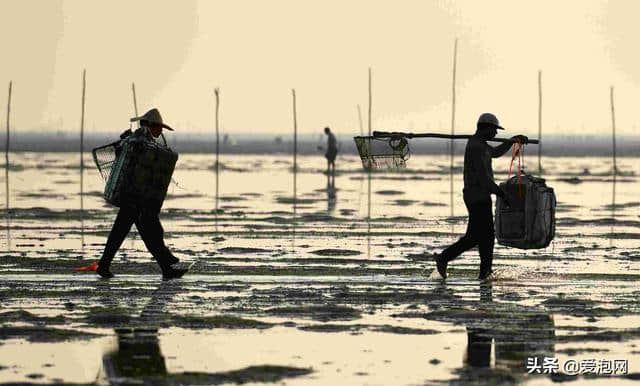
x: 500, y: 150
x: 477, y: 159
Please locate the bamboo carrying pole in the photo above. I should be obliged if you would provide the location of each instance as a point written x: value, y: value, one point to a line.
x: 540, y: 121
x: 6, y: 147
x: 135, y: 100
x: 613, y: 125
x: 385, y: 134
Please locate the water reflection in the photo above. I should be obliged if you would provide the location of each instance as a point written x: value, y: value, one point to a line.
x: 515, y: 337
x: 369, y: 214
x: 501, y: 336
x: 331, y: 194
x: 6, y: 207
x: 137, y: 353
x: 82, y: 208
x: 613, y: 209
x: 295, y: 202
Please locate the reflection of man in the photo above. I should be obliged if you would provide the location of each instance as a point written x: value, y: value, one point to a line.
x: 521, y: 335
x: 146, y: 219
x: 138, y: 355
x: 478, y: 188
x: 332, y: 151
x: 331, y: 195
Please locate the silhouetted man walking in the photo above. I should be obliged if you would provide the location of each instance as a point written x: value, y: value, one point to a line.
x: 478, y: 187
x: 146, y: 218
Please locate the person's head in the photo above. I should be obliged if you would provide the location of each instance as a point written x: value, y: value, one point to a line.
x: 152, y: 120
x: 327, y: 130
x: 154, y: 128
x: 488, y: 125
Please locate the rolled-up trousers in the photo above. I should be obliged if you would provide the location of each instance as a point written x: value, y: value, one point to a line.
x: 479, y: 233
x: 150, y: 229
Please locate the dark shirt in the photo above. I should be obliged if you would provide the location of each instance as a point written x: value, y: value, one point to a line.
x: 332, y: 148
x: 478, y: 172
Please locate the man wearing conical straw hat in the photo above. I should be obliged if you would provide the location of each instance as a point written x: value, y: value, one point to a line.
x: 146, y: 219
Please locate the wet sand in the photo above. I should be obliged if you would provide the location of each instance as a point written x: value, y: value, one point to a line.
x: 327, y: 287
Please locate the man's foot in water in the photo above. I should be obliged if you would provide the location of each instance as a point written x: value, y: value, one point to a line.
x: 485, y: 275
x: 173, y: 273
x: 104, y: 272
x: 172, y: 260
x: 441, y: 265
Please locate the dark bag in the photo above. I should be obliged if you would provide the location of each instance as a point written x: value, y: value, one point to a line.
x: 530, y: 221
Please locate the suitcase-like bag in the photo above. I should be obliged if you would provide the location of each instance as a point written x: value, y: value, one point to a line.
x: 141, y: 173
x: 530, y: 221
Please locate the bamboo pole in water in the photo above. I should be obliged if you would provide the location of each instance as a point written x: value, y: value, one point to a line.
x: 369, y: 175
x: 360, y: 121
x: 135, y: 100
x: 6, y: 147
x: 370, y: 102
x: 84, y: 85
x: 295, y: 147
x: 613, y: 125
x: 217, y: 93
x: 540, y: 121
x: 453, y: 117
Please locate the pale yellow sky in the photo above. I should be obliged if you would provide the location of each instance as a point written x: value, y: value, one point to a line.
x: 256, y: 51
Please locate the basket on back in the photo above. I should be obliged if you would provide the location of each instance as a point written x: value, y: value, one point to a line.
x: 137, y: 171
x: 530, y: 221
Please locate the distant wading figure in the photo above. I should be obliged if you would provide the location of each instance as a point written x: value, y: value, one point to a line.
x: 146, y: 219
x: 332, y: 152
x: 478, y: 187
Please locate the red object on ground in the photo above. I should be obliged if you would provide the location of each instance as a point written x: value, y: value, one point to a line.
x: 91, y: 267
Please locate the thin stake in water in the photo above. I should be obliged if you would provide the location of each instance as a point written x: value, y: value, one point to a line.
x: 453, y: 117
x: 613, y: 126
x: 6, y: 147
x: 217, y: 94
x: 84, y: 84
x: 6, y: 167
x: 540, y: 121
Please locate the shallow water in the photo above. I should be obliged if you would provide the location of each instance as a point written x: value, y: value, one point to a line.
x: 316, y: 282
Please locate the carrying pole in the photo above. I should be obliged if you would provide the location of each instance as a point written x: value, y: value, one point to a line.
x: 394, y: 134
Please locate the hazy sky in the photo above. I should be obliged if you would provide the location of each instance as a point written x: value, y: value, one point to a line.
x: 256, y: 51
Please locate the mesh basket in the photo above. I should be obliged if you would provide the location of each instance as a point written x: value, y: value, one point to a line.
x: 104, y: 157
x: 383, y: 153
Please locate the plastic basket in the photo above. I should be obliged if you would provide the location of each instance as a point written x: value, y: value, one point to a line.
x: 104, y: 157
